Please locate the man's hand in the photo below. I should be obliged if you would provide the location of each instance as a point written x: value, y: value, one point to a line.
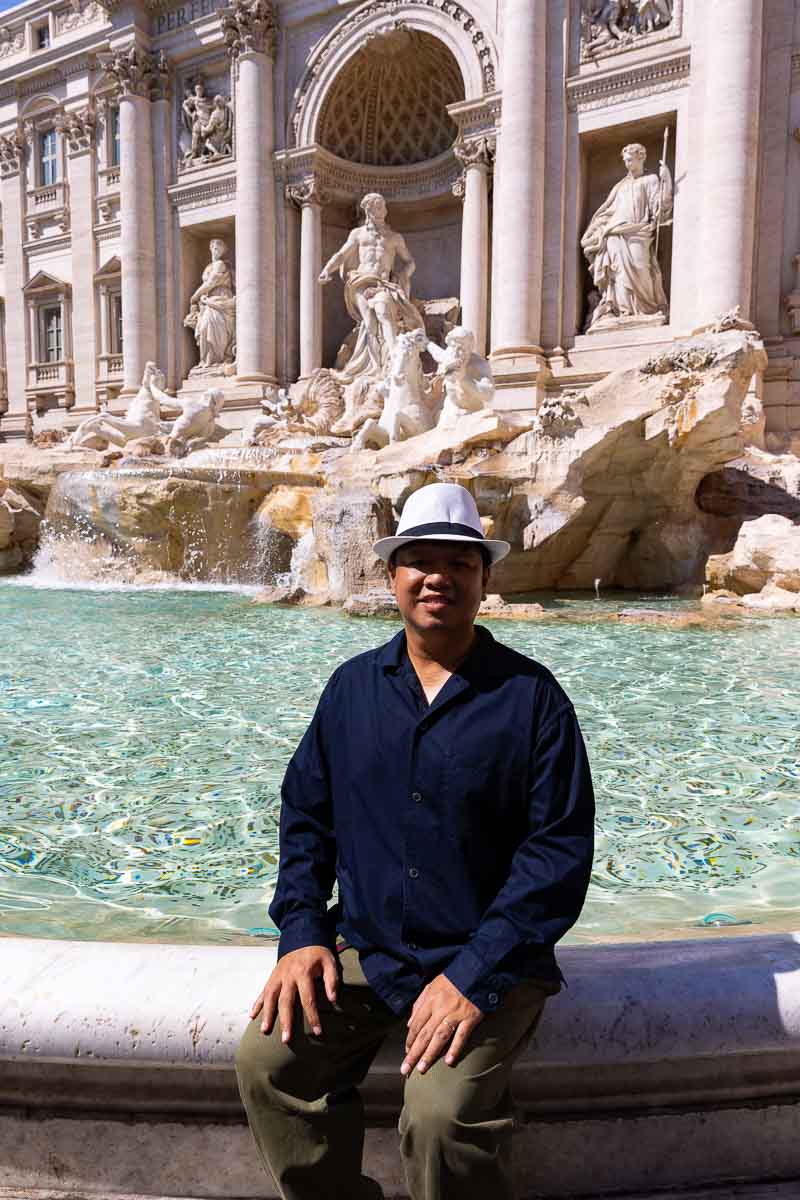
x: 441, y: 1017
x: 295, y: 974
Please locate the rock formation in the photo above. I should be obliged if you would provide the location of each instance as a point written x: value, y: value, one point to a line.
x: 767, y: 553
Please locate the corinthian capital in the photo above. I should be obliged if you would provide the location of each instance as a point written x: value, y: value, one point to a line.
x: 479, y: 153
x: 137, y: 72
x: 249, y: 25
x: 308, y: 192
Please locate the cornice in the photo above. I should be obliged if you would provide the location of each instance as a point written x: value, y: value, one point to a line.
x: 617, y: 87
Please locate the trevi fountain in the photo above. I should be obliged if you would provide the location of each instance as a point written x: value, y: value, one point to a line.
x: 268, y: 269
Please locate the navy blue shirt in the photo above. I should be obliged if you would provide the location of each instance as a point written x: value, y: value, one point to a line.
x: 460, y: 833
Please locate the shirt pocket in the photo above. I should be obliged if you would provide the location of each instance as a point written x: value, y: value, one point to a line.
x: 478, y: 794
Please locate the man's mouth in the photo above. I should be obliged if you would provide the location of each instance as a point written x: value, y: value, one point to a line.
x: 435, y: 601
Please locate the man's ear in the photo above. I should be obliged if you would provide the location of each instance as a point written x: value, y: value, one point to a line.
x: 487, y: 574
x: 390, y: 571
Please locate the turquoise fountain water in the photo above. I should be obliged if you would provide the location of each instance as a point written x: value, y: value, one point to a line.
x: 144, y: 736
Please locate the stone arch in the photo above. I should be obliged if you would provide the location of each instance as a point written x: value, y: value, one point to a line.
x: 451, y: 24
x: 40, y: 105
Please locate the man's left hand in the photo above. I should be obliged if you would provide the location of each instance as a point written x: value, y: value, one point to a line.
x: 441, y: 1017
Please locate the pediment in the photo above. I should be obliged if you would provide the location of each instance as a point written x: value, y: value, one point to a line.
x: 110, y: 269
x: 43, y: 282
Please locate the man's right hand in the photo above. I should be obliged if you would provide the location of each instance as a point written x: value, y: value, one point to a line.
x: 295, y: 974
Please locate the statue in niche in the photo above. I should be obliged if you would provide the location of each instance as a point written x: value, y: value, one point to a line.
x: 376, y: 266
x: 142, y: 420
x: 620, y: 246
x: 465, y: 378
x: 208, y: 124
x: 212, y: 313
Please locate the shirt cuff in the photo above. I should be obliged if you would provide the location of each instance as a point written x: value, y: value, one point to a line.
x: 470, y: 975
x: 303, y: 933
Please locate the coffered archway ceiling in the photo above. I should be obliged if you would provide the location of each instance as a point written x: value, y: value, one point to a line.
x: 388, y: 105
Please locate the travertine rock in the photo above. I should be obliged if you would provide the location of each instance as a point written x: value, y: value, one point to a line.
x: 767, y: 551
x: 752, y: 485
x: 345, y: 527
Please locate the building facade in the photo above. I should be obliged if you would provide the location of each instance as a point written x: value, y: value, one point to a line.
x: 174, y: 176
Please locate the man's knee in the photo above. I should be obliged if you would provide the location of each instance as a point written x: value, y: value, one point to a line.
x: 431, y: 1112
x: 257, y: 1055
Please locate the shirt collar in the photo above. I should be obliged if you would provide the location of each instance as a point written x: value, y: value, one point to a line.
x: 475, y: 666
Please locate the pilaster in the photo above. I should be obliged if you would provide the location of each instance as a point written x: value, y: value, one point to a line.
x: 12, y: 170
x: 250, y: 34
x: 78, y: 130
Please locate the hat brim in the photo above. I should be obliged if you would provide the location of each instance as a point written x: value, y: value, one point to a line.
x: 496, y: 549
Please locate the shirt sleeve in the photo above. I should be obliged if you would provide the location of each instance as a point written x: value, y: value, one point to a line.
x: 550, y: 870
x: 307, y: 868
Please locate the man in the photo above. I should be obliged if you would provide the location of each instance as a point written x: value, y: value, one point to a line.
x: 619, y: 242
x: 444, y: 784
x: 377, y: 295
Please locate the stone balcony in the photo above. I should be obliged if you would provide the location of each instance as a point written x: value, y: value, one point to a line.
x: 51, y: 383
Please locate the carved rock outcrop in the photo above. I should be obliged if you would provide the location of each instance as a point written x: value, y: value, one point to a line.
x: 767, y: 553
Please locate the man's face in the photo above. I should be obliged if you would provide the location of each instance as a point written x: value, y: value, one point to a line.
x: 438, y: 585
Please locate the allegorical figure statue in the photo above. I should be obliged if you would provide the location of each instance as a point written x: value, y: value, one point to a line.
x: 209, y: 125
x: 376, y: 266
x: 142, y: 419
x: 620, y: 244
x: 212, y: 312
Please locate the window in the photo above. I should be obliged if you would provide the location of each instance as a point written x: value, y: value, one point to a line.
x: 53, y: 339
x: 48, y: 157
x: 115, y: 136
x: 116, y: 323
x: 41, y: 37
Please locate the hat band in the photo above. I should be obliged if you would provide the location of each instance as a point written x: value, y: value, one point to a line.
x: 441, y: 527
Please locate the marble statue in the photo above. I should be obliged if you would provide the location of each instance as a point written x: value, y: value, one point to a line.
x: 208, y: 126
x: 142, y: 419
x: 276, y: 408
x: 464, y: 377
x: 607, y: 22
x: 197, y: 424
x: 408, y: 405
x: 376, y: 266
x: 212, y: 313
x: 620, y: 245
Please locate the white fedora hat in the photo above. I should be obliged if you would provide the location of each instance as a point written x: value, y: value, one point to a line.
x: 440, y: 512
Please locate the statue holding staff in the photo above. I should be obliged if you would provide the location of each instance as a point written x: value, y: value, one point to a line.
x: 620, y: 244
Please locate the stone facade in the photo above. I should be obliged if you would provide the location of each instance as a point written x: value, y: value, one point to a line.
x: 133, y: 134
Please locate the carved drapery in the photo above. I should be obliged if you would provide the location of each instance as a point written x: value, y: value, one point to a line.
x: 249, y: 26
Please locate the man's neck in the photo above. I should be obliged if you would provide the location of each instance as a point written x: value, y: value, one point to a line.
x: 435, y: 653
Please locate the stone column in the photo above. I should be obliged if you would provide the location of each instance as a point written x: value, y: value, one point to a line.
x: 733, y: 48
x: 477, y: 159
x: 518, y: 229
x: 138, y: 74
x: 12, y: 171
x: 310, y: 199
x: 250, y: 34
x: 77, y: 129
x: 168, y: 335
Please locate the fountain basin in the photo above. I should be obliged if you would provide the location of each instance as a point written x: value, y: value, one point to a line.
x: 658, y: 1066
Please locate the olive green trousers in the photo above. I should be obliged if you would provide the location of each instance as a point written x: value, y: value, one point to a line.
x: 307, y: 1117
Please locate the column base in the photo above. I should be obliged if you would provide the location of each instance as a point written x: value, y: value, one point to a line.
x: 517, y: 362
x: 256, y: 377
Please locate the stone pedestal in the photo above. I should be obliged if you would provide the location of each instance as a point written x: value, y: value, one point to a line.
x: 518, y: 231
x: 137, y: 225
x: 730, y: 166
x: 477, y: 160
x: 255, y: 219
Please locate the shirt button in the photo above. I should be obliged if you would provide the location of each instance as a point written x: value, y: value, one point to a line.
x: 413, y: 946
x: 413, y: 872
x: 493, y: 997
x: 416, y: 797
